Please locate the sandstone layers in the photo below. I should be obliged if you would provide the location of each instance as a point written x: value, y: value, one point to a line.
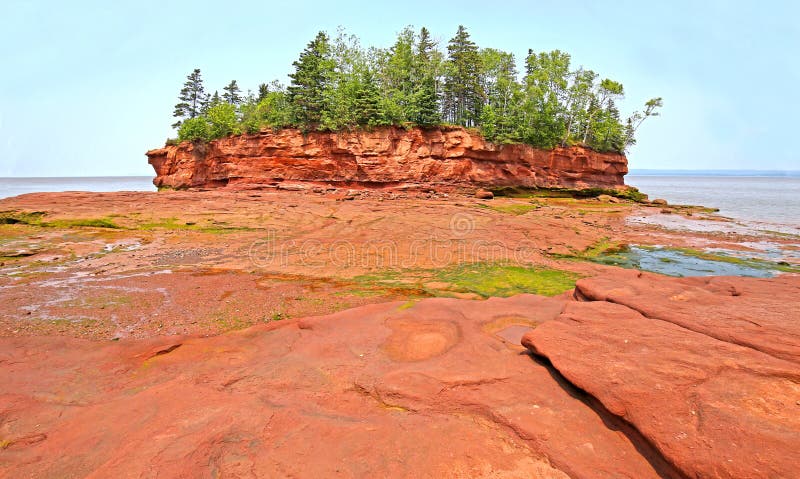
x: 384, y: 157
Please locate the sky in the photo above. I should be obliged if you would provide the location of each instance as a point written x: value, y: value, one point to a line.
x: 87, y: 87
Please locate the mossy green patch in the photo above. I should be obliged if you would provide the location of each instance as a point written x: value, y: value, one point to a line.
x: 629, y: 193
x: 504, y: 280
x: 483, y: 279
x: 21, y: 217
x: 36, y: 218
x: 206, y: 227
x: 511, y: 209
x: 85, y: 222
x: 407, y: 305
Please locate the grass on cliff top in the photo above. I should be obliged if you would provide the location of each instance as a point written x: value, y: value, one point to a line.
x: 482, y: 279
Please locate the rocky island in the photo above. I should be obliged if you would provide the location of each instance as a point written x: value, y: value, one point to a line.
x: 388, y: 157
x: 322, y: 301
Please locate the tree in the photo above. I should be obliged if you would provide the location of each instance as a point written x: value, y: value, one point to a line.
x: 263, y: 91
x: 463, y: 96
x: 425, y: 78
x: 426, y: 102
x: 312, y: 72
x: 339, y: 85
x: 192, y: 98
x: 546, y: 80
x: 578, y: 97
x: 499, y: 115
x: 636, y: 120
x: 399, y: 80
x: 232, y: 93
x: 608, y: 90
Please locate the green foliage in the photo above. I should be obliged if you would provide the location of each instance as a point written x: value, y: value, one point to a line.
x: 194, y: 129
x: 339, y: 85
x: 223, y: 121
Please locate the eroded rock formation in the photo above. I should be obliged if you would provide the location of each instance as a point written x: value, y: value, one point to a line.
x: 384, y: 157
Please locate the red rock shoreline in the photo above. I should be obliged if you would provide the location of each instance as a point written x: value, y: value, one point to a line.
x: 224, y: 365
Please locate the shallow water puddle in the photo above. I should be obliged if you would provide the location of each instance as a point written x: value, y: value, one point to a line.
x: 513, y: 334
x: 674, y: 262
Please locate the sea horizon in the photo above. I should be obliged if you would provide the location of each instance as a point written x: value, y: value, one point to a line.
x: 631, y: 172
x: 767, y: 198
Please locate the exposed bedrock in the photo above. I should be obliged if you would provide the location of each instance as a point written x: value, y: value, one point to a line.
x: 706, y: 369
x: 383, y: 157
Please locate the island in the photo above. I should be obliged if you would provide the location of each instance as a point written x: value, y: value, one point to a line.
x: 410, y: 262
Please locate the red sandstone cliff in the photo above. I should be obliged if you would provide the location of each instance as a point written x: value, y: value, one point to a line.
x: 382, y: 157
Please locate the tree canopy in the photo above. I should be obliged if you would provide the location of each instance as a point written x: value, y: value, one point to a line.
x: 336, y: 84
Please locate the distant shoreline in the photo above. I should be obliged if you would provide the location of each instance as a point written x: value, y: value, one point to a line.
x: 632, y: 172
x: 716, y: 173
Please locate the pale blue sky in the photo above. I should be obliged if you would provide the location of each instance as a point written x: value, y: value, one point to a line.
x: 87, y: 87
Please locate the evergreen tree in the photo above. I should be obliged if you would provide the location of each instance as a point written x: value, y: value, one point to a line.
x: 426, y: 102
x: 232, y: 93
x: 425, y: 46
x: 367, y: 101
x: 192, y: 98
x: 425, y: 99
x: 263, y: 91
x: 312, y: 72
x: 212, y: 101
x: 336, y: 85
x: 463, y: 96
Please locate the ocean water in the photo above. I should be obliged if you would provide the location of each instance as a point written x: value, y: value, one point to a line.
x: 762, y: 200
x: 18, y: 186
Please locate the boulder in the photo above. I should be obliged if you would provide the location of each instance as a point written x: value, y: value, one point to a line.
x: 482, y: 194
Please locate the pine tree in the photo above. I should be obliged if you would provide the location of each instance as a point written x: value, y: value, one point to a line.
x: 463, y: 96
x: 425, y: 46
x: 307, y: 91
x: 263, y: 91
x: 426, y: 101
x: 192, y: 98
x: 367, y: 101
x: 232, y: 93
x: 425, y: 98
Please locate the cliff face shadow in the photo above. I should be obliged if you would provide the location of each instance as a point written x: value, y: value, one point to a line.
x: 615, y: 423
